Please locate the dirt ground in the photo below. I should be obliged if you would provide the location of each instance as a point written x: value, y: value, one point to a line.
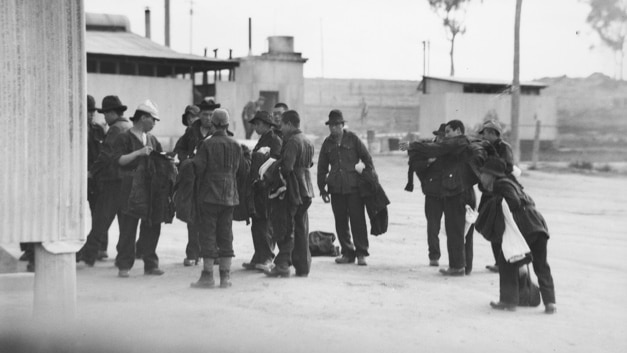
x: 395, y: 304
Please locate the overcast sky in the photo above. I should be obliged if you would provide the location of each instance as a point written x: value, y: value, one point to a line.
x: 383, y: 38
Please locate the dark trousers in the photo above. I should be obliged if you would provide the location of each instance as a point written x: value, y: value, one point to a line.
x: 92, y: 197
x: 350, y: 208
x: 148, y: 238
x: 108, y: 205
x: 216, y: 231
x: 459, y: 245
x: 434, y: 208
x: 290, y: 225
x: 509, y: 278
x: 261, y: 230
x: 192, y: 251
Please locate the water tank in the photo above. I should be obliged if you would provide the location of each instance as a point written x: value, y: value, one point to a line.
x: 280, y: 44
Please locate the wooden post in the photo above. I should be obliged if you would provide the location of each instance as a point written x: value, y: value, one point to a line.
x: 535, y: 155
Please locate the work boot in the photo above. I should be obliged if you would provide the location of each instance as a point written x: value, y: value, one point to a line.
x: 225, y: 272
x: 206, y: 280
x: 278, y: 271
x: 453, y: 271
x: 550, y: 308
x: 503, y: 306
x: 102, y: 254
x: 361, y: 261
x: 344, y: 259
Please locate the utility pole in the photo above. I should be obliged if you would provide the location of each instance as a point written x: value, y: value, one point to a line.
x: 191, y: 24
x: 515, y: 142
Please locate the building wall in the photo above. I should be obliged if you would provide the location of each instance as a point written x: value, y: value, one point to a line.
x: 171, y: 95
x: 256, y: 74
x: 391, y: 105
x: 440, y: 87
x: 43, y: 180
x: 472, y: 109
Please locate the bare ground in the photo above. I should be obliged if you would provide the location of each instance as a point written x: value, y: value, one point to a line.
x: 395, y: 304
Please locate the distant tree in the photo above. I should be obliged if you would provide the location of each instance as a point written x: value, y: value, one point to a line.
x: 452, y: 13
x: 609, y: 19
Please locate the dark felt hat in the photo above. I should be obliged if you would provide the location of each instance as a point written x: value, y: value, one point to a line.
x: 494, y: 166
x: 190, y: 109
x: 440, y: 131
x: 264, y: 116
x: 335, y: 117
x: 91, y: 104
x: 208, y: 104
x: 111, y: 103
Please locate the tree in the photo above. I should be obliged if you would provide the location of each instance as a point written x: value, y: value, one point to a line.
x: 515, y: 136
x: 609, y: 19
x: 453, y: 13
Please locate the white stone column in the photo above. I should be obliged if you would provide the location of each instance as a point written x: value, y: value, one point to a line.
x: 43, y: 140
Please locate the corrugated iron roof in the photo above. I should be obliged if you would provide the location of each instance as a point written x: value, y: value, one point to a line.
x: 131, y: 44
x: 484, y: 81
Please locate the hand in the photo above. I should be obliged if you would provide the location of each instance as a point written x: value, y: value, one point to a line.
x: 144, y: 151
x: 403, y: 146
x: 359, y: 167
x: 325, y: 197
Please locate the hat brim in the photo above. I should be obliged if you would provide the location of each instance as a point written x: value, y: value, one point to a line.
x: 121, y: 108
x: 269, y: 122
x: 335, y: 122
x: 209, y: 106
x: 493, y: 172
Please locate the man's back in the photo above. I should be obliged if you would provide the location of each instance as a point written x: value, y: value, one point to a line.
x: 217, y: 163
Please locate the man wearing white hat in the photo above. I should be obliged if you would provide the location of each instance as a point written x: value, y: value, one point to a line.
x: 131, y: 151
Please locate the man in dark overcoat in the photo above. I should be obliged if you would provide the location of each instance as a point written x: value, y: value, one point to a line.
x: 266, y: 152
x: 290, y: 220
x: 105, y: 171
x: 338, y: 175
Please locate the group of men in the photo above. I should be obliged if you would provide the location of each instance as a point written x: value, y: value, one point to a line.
x: 448, y: 168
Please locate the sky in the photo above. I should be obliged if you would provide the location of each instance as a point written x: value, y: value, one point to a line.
x: 383, y: 39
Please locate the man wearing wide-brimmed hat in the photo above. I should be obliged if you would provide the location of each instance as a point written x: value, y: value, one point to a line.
x: 106, y: 174
x: 347, y: 156
x: 266, y: 152
x: 140, y: 171
x: 249, y: 111
x: 217, y: 165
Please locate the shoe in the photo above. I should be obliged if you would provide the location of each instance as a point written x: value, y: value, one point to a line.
x: 453, y: 271
x: 225, y: 279
x: 102, y: 254
x: 434, y: 263
x: 123, y: 273
x: 249, y: 265
x: 154, y: 272
x: 493, y: 268
x: 190, y: 262
x: 361, y: 261
x: 467, y: 271
x: 266, y: 266
x: 344, y: 260
x: 503, y: 306
x: 278, y: 271
x: 206, y: 281
x: 550, y: 308
x: 298, y: 274
x: 81, y: 257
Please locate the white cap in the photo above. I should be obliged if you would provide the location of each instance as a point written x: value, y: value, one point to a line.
x: 149, y: 107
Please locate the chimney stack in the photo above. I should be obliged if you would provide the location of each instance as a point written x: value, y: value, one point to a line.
x: 147, y: 12
x: 250, y: 36
x: 167, y: 23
